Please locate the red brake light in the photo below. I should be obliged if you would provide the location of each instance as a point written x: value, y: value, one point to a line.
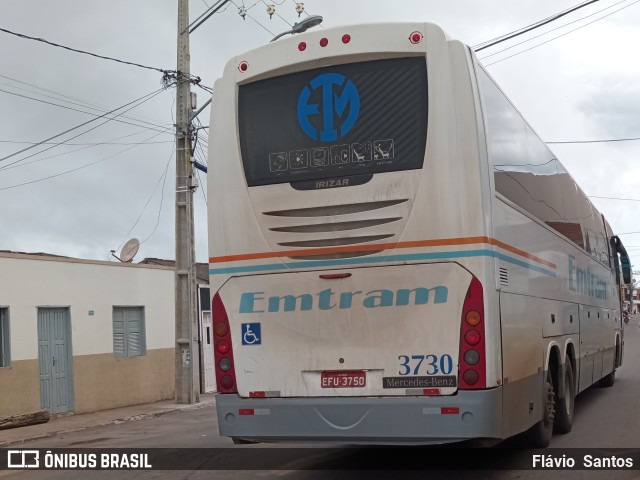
x: 244, y: 66
x: 346, y: 38
x: 324, y: 42
x: 472, y: 337
x: 223, y: 351
x: 223, y: 347
x: 473, y: 362
x: 302, y: 46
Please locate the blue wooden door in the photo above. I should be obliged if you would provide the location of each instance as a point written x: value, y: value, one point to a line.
x: 54, y: 354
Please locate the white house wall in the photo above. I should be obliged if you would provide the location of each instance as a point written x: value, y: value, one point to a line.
x: 90, y: 290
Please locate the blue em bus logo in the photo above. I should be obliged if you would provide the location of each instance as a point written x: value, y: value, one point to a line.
x: 338, y: 95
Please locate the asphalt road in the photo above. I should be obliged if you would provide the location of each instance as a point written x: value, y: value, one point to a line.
x: 610, y: 417
x: 604, y: 418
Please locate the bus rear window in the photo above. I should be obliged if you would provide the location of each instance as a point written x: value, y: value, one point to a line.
x: 353, y: 119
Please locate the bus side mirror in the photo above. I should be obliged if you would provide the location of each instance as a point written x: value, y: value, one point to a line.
x: 626, y: 267
x: 625, y: 262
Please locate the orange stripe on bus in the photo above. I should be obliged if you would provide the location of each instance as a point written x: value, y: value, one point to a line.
x: 445, y: 242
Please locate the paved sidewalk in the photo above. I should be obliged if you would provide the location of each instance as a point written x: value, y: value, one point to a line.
x: 72, y: 423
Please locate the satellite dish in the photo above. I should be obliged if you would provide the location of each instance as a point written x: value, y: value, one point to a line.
x: 129, y: 250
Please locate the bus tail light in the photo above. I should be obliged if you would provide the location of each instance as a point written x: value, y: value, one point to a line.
x: 223, y: 351
x: 416, y: 37
x: 473, y: 359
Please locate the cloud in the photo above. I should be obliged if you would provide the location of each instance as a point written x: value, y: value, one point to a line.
x: 582, y: 85
x: 612, y: 105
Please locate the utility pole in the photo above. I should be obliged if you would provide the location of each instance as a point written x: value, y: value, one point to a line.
x: 186, y: 348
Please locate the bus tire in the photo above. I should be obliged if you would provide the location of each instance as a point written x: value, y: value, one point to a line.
x: 563, y: 420
x: 608, y: 380
x: 539, y: 436
x: 242, y: 441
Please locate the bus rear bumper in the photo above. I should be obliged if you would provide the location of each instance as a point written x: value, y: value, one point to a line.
x: 363, y: 420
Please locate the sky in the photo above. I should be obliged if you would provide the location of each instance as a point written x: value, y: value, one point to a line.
x: 116, y: 179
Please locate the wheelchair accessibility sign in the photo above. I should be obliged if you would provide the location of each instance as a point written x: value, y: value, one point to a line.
x: 251, y: 334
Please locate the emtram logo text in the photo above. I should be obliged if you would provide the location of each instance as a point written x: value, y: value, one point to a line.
x: 258, y: 302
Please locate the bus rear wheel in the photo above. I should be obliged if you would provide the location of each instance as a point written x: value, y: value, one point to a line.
x: 242, y: 441
x: 539, y: 436
x: 610, y: 379
x: 563, y: 420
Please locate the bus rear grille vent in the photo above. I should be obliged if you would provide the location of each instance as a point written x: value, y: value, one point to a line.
x: 334, y: 242
x: 330, y: 210
x: 335, y: 226
x: 367, y: 229
x: 504, y: 277
x: 333, y: 256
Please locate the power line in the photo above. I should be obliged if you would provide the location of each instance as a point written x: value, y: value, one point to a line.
x: 215, y: 8
x: 281, y: 17
x: 204, y: 195
x: 47, y: 90
x: 79, y: 135
x: 161, y: 202
x: 560, y: 36
x: 205, y: 88
x: 305, y: 12
x: 143, y: 99
x: 534, y: 26
x: 162, y: 178
x: 209, y: 8
x: 552, y: 30
x: 202, y: 156
x: 88, y: 144
x: 270, y: 32
x: 168, y: 76
x: 166, y: 129
x: 73, y: 169
x: 258, y: 1
x: 202, y: 139
x: 161, y: 70
x: 78, y: 101
x: 598, y: 141
x: 616, y: 198
x: 86, y: 147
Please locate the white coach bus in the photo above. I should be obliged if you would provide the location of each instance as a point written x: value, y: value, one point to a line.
x: 396, y: 256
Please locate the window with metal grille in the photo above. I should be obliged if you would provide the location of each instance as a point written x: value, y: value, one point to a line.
x: 5, y: 355
x: 129, y: 338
